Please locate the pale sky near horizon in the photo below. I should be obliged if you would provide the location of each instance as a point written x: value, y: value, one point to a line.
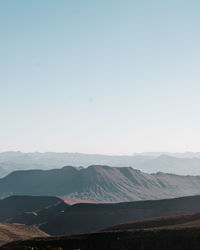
x: 111, y: 77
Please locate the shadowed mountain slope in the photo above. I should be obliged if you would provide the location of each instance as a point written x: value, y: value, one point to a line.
x: 181, y: 232
x: 169, y: 222
x: 60, y: 218
x: 14, y: 205
x: 39, y: 217
x: 99, y: 183
x: 81, y: 218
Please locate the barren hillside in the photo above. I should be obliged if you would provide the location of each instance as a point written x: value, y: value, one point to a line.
x: 14, y: 232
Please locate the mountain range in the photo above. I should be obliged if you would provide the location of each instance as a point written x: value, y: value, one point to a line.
x: 177, y: 163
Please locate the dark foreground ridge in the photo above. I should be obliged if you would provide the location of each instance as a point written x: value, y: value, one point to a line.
x: 62, y: 219
x: 165, y: 239
x: 180, y: 232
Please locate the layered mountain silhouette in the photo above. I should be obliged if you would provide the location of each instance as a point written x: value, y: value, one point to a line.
x: 171, y: 164
x: 99, y: 183
x: 61, y: 219
x: 182, y: 163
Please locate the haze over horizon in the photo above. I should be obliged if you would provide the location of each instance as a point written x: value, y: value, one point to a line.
x: 105, y: 77
x: 156, y: 153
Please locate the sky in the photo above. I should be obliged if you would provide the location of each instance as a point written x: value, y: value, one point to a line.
x: 106, y: 77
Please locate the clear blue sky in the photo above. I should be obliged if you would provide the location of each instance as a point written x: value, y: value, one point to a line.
x: 112, y: 77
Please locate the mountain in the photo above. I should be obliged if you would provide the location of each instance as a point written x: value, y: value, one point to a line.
x: 179, y: 155
x: 16, y: 232
x: 11, y: 161
x: 82, y: 218
x: 128, y: 225
x: 99, y: 183
x: 177, y: 163
x: 15, y: 205
x: 171, y: 164
x: 39, y: 217
x: 61, y: 219
x: 34, y: 210
x: 3, y: 172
